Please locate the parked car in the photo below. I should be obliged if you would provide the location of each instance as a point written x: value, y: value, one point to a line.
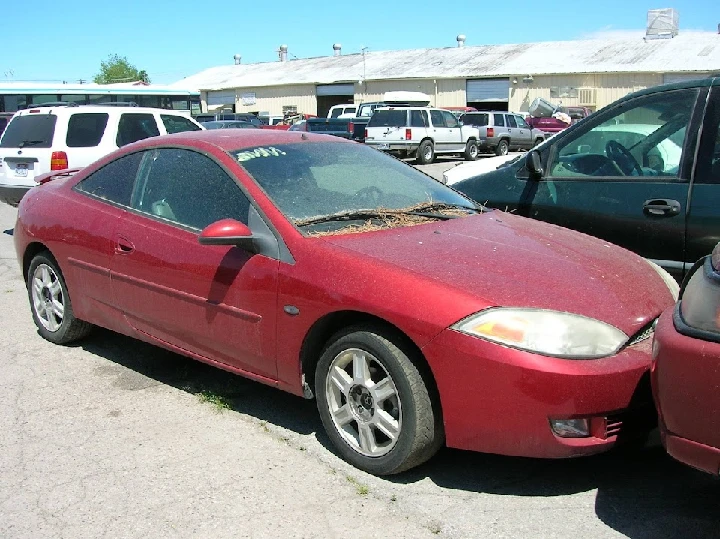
x: 686, y: 370
x: 500, y: 132
x: 552, y: 118
x: 422, y: 132
x: 298, y: 126
x: 642, y: 173
x: 336, y: 110
x: 4, y: 119
x: 236, y: 116
x: 470, y: 169
x: 459, y: 111
x: 42, y: 139
x: 228, y: 124
x: 321, y: 267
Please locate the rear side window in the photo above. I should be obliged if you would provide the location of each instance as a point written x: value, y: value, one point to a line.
x: 33, y: 130
x: 177, y: 124
x: 418, y: 118
x: 134, y: 127
x: 499, y: 120
x: 114, y: 182
x: 388, y: 118
x: 511, y: 120
x: 475, y: 119
x: 85, y: 130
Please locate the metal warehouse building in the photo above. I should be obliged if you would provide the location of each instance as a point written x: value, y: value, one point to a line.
x: 591, y: 73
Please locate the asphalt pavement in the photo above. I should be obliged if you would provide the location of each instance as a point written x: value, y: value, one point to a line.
x: 116, y: 438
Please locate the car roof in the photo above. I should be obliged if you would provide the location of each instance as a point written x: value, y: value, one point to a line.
x: 695, y: 83
x: 100, y: 108
x: 237, y: 139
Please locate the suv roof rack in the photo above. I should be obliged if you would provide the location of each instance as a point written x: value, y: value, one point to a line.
x: 52, y: 104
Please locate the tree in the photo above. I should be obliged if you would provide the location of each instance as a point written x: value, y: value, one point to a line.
x: 117, y: 69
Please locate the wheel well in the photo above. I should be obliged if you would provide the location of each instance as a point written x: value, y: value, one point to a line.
x: 319, y: 335
x: 30, y: 252
x: 427, y: 138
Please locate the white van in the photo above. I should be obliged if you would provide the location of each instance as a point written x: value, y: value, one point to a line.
x: 45, y: 138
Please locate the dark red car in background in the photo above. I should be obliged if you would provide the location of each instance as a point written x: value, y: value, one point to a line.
x: 686, y: 370
x: 333, y: 271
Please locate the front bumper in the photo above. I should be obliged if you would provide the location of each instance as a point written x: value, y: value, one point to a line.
x: 684, y: 382
x: 12, y: 194
x: 497, y: 399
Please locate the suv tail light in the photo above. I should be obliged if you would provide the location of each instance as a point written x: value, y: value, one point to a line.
x: 365, y: 133
x: 490, y: 132
x: 58, y: 161
x: 408, y: 134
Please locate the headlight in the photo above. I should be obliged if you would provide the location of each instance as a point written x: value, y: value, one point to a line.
x: 550, y: 333
x: 670, y: 281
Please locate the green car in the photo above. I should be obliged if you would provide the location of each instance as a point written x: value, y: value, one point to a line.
x: 643, y: 173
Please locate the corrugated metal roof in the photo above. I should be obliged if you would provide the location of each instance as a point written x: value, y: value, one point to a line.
x: 687, y: 52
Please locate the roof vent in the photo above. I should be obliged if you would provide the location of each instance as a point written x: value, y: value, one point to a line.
x: 337, y: 48
x: 283, y: 53
x: 662, y: 23
x: 461, y: 40
x: 237, y: 59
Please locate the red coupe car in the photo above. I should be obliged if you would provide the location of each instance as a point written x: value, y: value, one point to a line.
x: 330, y: 270
x: 686, y: 370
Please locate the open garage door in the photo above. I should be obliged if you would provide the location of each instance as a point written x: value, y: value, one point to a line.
x: 333, y: 94
x: 488, y: 94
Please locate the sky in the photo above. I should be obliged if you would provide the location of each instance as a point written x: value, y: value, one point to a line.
x: 173, y: 40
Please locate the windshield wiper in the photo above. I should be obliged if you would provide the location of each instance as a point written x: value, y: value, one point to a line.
x: 29, y: 143
x: 425, y: 210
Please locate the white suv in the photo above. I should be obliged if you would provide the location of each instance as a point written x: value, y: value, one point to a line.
x: 45, y: 138
x: 422, y: 132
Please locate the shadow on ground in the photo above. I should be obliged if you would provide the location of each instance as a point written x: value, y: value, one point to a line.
x: 640, y: 493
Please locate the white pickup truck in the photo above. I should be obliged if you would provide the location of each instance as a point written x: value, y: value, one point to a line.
x: 422, y: 132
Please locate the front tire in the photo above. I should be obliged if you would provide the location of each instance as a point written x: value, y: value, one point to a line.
x: 50, y: 303
x: 471, y: 150
x: 425, y: 153
x: 502, y: 148
x: 375, y: 404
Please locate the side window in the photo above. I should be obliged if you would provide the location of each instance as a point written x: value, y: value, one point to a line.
x: 135, y: 126
x: 114, y: 182
x: 176, y: 124
x: 450, y: 119
x: 511, y: 120
x: 417, y: 119
x: 499, y: 120
x: 521, y: 122
x: 642, y: 137
x: 85, y: 129
x: 437, y: 118
x: 188, y: 188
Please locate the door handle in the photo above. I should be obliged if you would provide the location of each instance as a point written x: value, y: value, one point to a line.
x: 661, y: 207
x: 124, y: 246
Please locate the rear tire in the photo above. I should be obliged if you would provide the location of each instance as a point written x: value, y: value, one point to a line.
x: 471, y: 150
x: 502, y: 148
x: 375, y: 404
x: 425, y: 153
x: 50, y: 302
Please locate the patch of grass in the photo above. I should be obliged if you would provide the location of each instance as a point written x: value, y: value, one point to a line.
x: 434, y: 528
x: 393, y: 498
x: 360, y: 488
x: 218, y: 401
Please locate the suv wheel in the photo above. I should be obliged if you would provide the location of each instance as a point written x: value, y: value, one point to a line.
x: 502, y: 148
x: 471, y: 150
x: 425, y: 153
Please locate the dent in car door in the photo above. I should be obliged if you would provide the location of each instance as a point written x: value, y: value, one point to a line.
x: 607, y: 180
x: 215, y: 301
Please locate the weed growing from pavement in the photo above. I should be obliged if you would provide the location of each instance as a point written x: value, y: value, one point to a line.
x: 218, y: 401
x: 360, y: 488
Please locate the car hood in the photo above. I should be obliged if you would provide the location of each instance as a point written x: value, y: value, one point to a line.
x: 475, y: 168
x: 504, y: 260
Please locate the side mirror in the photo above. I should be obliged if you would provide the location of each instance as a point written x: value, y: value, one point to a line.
x: 228, y: 232
x: 534, y: 165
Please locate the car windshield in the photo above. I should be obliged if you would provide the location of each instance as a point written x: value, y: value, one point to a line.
x: 330, y: 187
